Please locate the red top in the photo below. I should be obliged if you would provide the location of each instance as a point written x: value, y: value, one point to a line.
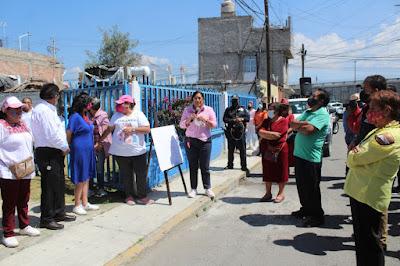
x: 354, y: 120
x: 281, y: 126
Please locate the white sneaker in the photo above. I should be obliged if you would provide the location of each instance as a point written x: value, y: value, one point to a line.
x: 210, y: 193
x: 29, y: 231
x: 79, y: 210
x: 91, y: 207
x: 192, y: 193
x: 10, y: 242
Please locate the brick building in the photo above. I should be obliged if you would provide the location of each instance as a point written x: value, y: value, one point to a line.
x: 230, y: 48
x: 30, y: 66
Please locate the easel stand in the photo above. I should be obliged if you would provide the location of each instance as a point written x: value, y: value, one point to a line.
x: 166, y: 174
x: 167, y: 182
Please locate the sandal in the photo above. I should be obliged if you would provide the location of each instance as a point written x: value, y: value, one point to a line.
x: 279, y: 199
x: 266, y: 198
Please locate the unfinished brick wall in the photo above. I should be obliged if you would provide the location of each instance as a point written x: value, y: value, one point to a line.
x: 30, y: 65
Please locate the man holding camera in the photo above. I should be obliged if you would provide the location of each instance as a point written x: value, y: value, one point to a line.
x: 235, y: 119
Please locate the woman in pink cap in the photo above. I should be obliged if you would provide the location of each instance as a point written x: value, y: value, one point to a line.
x: 129, y: 127
x: 16, y: 170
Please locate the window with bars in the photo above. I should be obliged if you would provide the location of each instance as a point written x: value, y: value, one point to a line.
x: 250, y: 64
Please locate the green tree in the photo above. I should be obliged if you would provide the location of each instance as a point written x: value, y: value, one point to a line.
x: 116, y: 50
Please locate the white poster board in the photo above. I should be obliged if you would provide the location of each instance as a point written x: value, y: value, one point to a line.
x: 166, y: 144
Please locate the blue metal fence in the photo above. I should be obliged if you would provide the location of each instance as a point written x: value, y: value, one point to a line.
x: 153, y: 99
x: 156, y: 98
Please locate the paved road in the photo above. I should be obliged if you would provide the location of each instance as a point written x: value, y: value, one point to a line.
x: 238, y: 230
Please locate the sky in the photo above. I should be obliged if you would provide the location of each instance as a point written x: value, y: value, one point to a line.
x: 338, y: 34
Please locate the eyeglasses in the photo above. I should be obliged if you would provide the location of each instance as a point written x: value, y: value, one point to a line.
x: 14, y: 111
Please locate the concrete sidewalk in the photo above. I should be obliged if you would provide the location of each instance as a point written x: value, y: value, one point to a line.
x: 119, y: 232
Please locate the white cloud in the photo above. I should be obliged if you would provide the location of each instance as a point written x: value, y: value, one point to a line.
x: 72, y: 73
x: 342, y: 52
x: 154, y: 61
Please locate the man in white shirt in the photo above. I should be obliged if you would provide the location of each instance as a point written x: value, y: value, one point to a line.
x: 27, y: 111
x: 50, y: 149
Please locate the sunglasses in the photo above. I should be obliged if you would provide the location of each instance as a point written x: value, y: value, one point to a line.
x: 14, y: 111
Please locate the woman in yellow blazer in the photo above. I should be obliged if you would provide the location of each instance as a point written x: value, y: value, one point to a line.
x: 373, y: 165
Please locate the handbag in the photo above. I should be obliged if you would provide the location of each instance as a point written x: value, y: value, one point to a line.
x: 22, y: 169
x: 272, y: 152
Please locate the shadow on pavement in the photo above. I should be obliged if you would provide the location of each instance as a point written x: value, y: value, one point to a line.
x: 394, y: 224
x: 255, y: 175
x: 331, y: 221
x: 240, y: 200
x: 314, y: 244
x: 216, y: 169
x: 331, y: 178
x: 394, y: 205
x: 337, y: 186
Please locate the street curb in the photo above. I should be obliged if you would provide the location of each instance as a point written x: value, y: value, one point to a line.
x: 201, y: 204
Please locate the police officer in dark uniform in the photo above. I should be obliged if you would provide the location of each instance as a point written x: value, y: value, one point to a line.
x: 235, y: 119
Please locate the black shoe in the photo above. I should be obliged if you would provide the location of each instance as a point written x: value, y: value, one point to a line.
x: 299, y: 214
x: 65, y: 218
x: 266, y: 198
x: 52, y: 225
x: 313, y: 222
x: 228, y: 167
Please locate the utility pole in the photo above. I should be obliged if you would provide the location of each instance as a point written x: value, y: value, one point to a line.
x: 267, y: 41
x: 52, y: 49
x: 303, y: 53
x: 20, y: 38
x: 355, y: 71
x: 4, y: 25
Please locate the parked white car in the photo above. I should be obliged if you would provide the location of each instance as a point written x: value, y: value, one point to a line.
x: 338, y: 107
x: 298, y: 106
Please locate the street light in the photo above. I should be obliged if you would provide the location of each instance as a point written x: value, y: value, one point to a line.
x: 4, y: 25
x: 22, y: 36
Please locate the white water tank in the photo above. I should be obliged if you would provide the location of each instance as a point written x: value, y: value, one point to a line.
x: 228, y: 9
x: 139, y: 71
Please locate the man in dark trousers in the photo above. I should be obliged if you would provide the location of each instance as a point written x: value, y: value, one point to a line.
x: 235, y: 119
x: 51, y: 148
x: 312, y: 127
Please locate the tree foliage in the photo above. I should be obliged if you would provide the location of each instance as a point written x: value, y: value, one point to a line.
x: 116, y: 49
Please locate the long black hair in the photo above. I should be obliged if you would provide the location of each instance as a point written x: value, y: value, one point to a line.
x: 80, y: 102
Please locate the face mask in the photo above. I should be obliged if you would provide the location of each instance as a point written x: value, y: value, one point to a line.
x: 374, y: 116
x: 235, y: 103
x: 260, y: 106
x: 353, y: 104
x: 312, y: 102
x: 364, y: 97
x: 271, y: 113
x: 249, y: 107
x: 264, y: 106
x: 119, y: 108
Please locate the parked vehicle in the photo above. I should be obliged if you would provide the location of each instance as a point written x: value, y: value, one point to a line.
x: 337, y: 107
x: 298, y: 106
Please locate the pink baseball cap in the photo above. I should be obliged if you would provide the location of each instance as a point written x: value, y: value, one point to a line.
x: 11, y: 102
x: 125, y: 99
